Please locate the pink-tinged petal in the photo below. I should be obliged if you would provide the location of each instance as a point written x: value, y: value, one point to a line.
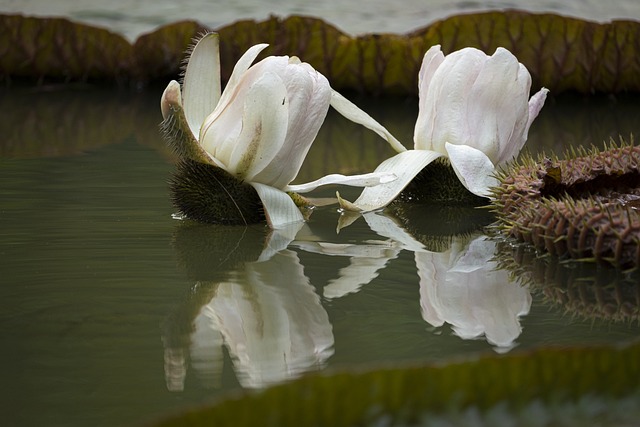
x: 279, y: 208
x: 535, y: 105
x: 521, y: 129
x: 444, y: 105
x: 473, y: 168
x: 201, y: 86
x: 264, y: 127
x: 352, y: 112
x: 171, y: 98
x: 430, y: 63
x: 405, y: 166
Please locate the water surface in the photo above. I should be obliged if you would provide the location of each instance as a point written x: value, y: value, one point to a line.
x: 113, y: 313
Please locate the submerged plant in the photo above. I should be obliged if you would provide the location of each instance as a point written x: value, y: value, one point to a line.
x: 474, y: 112
x: 583, y: 207
x: 251, y: 139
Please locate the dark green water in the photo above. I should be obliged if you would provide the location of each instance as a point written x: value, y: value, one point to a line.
x: 113, y: 313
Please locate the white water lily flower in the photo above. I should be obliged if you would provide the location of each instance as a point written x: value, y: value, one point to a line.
x: 261, y: 126
x: 474, y: 109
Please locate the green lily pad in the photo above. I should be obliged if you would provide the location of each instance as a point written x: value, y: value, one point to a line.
x: 516, y: 386
x: 562, y: 53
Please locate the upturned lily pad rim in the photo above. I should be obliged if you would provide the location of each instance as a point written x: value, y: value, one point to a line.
x: 359, y: 395
x: 562, y: 53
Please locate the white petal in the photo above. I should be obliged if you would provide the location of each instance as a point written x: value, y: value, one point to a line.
x: 405, y: 166
x: 430, y: 63
x: 202, y: 81
x: 278, y: 206
x: 364, y: 180
x: 443, y: 107
x: 473, y: 168
x: 497, y: 107
x: 264, y: 128
x: 241, y: 67
x: 233, y: 89
x: 308, y: 94
x: 349, y: 110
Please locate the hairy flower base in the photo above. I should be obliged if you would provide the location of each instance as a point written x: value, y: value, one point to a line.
x: 582, y: 208
x: 209, y: 194
x: 584, y: 290
x: 437, y: 183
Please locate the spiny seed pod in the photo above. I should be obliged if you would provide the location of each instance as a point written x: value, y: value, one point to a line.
x: 582, y: 208
x: 209, y: 194
x: 585, y: 290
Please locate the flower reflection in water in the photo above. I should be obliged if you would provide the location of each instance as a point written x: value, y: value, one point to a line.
x: 256, y: 302
x: 365, y: 261
x: 271, y: 321
x: 266, y: 314
x: 462, y: 285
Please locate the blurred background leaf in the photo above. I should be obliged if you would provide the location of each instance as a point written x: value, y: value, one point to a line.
x: 562, y: 53
x: 415, y: 395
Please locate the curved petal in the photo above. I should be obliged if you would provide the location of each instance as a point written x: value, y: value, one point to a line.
x: 232, y: 88
x: 175, y: 127
x: 430, y: 63
x: 201, y: 86
x: 535, y: 105
x: 443, y: 107
x: 352, y: 112
x: 308, y: 94
x: 240, y: 68
x: 278, y: 206
x: 405, y: 166
x: 497, y: 107
x: 364, y: 180
x: 264, y: 128
x: 473, y: 168
x: 171, y: 99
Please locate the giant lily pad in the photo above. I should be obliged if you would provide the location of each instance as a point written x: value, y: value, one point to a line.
x: 602, y: 381
x: 563, y: 54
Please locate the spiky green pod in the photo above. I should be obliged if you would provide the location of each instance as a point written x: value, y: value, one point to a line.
x: 582, y: 207
x: 584, y: 290
x: 210, y: 194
